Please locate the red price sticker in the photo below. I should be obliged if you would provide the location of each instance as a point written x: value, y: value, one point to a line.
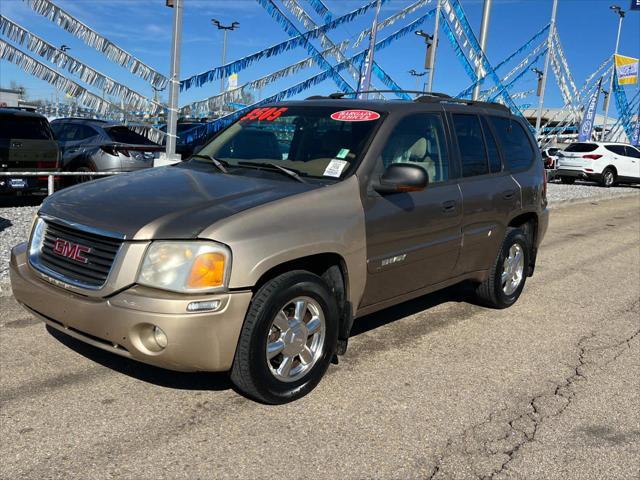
x: 355, y: 116
x: 267, y: 113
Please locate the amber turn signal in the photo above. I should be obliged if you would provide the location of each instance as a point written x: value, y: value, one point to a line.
x: 207, y: 271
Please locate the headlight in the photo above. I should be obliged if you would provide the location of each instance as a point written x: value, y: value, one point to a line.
x: 188, y: 267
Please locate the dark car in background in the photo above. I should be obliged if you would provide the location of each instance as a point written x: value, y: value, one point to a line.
x: 89, y: 145
x: 190, y: 139
x: 27, y: 144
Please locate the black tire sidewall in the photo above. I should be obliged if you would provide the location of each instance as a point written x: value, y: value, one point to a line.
x: 272, y: 389
x: 604, y: 181
x: 514, y: 236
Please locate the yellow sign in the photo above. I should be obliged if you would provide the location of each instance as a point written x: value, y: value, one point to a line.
x: 626, y: 69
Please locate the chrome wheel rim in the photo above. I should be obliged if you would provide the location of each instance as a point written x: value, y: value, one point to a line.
x: 513, y: 269
x: 608, y: 178
x: 296, y: 339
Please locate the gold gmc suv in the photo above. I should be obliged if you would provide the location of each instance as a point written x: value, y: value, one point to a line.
x: 257, y: 254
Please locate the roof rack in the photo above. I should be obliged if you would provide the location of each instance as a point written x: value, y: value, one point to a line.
x: 435, y: 98
x: 22, y: 109
x: 338, y: 95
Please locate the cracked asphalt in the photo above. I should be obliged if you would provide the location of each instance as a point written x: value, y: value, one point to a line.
x: 436, y: 388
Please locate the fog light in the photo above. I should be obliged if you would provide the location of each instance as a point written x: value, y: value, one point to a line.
x: 203, y: 306
x: 160, y: 337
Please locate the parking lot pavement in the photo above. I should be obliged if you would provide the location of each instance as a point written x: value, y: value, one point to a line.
x: 437, y: 388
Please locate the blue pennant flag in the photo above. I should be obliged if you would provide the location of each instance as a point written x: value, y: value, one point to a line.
x: 586, y: 127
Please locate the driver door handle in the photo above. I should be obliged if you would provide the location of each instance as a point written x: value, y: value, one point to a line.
x: 449, y: 206
x: 508, y: 194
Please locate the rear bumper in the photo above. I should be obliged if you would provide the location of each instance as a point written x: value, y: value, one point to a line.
x: 122, y: 323
x: 577, y: 173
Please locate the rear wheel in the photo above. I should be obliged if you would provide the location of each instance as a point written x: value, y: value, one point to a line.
x: 568, y: 180
x: 82, y: 178
x: 508, y: 274
x: 288, y: 338
x: 608, y: 178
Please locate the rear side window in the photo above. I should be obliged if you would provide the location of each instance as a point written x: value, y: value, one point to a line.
x: 495, y: 164
x: 473, y: 154
x: 632, y: 152
x: 514, y: 141
x: 25, y: 128
x: 581, y: 147
x: 124, y: 135
x: 617, y: 149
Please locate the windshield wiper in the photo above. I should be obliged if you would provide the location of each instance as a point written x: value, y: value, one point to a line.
x: 276, y: 168
x: 219, y: 164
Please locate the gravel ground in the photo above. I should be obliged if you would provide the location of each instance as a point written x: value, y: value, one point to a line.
x: 16, y: 220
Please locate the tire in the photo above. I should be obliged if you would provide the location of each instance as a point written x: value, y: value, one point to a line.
x: 493, y: 292
x: 568, y: 180
x: 81, y: 179
x: 269, y: 380
x: 608, y: 178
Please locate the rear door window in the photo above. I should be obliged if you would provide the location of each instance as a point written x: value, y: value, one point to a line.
x: 24, y: 128
x: 632, y: 152
x: 617, y: 149
x: 514, y: 142
x: 473, y: 153
x: 581, y: 147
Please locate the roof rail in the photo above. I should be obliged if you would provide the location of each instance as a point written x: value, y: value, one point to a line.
x: 337, y: 95
x: 435, y: 98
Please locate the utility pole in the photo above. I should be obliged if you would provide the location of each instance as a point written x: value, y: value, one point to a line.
x: 225, y: 29
x: 174, y: 81
x: 63, y: 48
x: 431, y: 55
x: 365, y: 74
x: 484, y: 29
x: 620, y: 14
x: 552, y: 29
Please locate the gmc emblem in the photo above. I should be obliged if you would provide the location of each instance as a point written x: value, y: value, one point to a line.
x: 74, y: 251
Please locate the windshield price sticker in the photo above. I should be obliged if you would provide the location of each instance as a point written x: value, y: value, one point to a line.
x: 355, y: 116
x: 268, y: 113
x: 335, y: 168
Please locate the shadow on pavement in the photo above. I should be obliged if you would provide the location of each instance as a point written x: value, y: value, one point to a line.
x: 141, y: 371
x: 7, y: 201
x: 4, y: 223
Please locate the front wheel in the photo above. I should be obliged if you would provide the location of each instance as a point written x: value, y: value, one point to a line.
x: 506, y: 278
x: 288, y: 339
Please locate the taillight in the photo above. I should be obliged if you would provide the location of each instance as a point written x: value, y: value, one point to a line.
x: 46, y: 164
x: 591, y: 156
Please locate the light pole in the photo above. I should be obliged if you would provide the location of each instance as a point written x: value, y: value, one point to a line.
x: 63, y: 49
x: 174, y: 80
x: 417, y: 76
x: 428, y: 41
x: 618, y: 11
x: 431, y: 55
x: 484, y: 28
x: 225, y: 29
x: 552, y: 29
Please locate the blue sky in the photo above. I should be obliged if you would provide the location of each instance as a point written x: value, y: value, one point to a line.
x: 143, y: 27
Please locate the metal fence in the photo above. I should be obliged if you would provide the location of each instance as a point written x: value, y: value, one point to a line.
x: 51, y: 176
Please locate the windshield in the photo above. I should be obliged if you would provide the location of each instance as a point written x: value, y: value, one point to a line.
x: 314, y: 141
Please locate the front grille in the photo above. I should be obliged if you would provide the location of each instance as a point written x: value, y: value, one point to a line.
x: 100, y: 257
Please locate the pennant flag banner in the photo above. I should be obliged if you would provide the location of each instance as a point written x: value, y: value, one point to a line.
x: 526, y: 61
x: 299, y: 40
x: 391, y: 20
x: 622, y: 105
x: 275, y: 12
x: 586, y: 127
x: 39, y: 70
x: 626, y: 69
x: 321, y: 9
x: 92, y: 38
x: 298, y: 12
x: 42, y: 48
x: 635, y: 136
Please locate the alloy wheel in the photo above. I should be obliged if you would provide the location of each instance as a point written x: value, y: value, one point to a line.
x: 513, y: 269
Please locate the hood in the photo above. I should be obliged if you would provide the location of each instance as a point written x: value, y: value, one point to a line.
x: 165, y: 203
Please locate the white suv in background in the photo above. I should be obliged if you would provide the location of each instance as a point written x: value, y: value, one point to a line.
x: 605, y: 163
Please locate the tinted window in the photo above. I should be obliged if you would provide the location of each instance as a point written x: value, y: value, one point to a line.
x: 617, y: 149
x: 122, y: 134
x: 26, y: 128
x: 473, y: 153
x: 514, y: 141
x: 632, y: 152
x: 495, y: 164
x: 419, y: 140
x: 581, y: 147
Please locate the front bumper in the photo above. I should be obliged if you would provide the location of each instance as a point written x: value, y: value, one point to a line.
x: 120, y: 323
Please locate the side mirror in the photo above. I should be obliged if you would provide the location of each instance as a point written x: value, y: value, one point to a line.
x: 402, y: 177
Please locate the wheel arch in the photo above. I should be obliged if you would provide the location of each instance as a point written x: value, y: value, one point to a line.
x: 528, y: 222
